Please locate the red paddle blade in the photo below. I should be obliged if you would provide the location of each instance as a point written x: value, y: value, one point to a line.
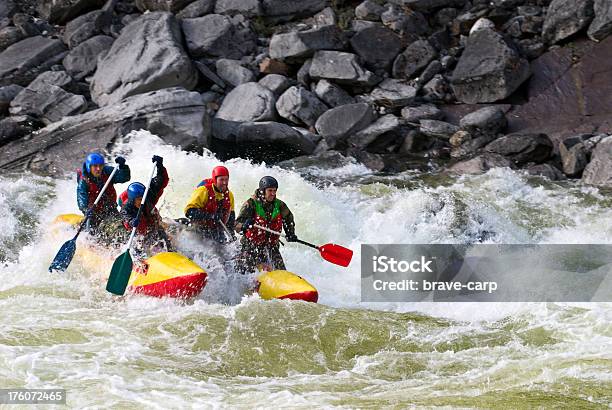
x: 336, y: 254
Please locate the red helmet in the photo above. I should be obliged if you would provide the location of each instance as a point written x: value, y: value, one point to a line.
x: 219, y: 171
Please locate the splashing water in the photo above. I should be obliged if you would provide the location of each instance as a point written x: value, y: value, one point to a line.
x: 226, y: 350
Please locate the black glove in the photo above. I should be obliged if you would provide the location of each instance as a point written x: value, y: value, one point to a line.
x: 120, y: 161
x: 246, y: 225
x: 89, y: 213
x: 135, y: 222
x: 291, y: 237
x: 196, y: 214
x: 158, y: 160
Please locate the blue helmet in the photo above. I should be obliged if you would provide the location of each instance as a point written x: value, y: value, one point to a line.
x: 93, y: 159
x: 135, y: 190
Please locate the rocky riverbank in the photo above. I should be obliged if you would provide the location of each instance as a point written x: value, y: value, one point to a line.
x: 457, y: 85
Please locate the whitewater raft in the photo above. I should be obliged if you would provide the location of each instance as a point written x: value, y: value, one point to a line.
x: 171, y: 274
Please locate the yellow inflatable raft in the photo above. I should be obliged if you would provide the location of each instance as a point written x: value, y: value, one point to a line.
x: 167, y: 274
x: 282, y: 284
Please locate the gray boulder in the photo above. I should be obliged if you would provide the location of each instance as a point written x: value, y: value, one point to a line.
x: 358, y: 25
x: 23, y: 61
x: 368, y: 135
x: 601, y: 26
x: 232, y: 72
x: 565, y: 18
x: 326, y: 17
x: 198, y: 8
x: 436, y: 128
x: 480, y: 164
x: 377, y: 46
x: 7, y: 93
x: 303, y: 74
x: 286, y: 10
x: 599, y: 170
x: 522, y: 148
x: 15, y: 127
x: 489, y: 69
x: 408, y: 23
x: 422, y: 112
x: 61, y: 11
x: 148, y: 55
x: 9, y: 36
x: 296, y: 46
x: 216, y: 35
x: 48, y: 102
x: 86, y: 26
x: 248, y: 102
x: 546, y: 170
x: 470, y: 146
x: 332, y: 95
x: 247, y: 8
x: 176, y: 115
x: 276, y: 83
x: 393, y: 93
x: 368, y: 10
x: 275, y: 134
x: 415, y: 58
x: 300, y: 106
x: 488, y: 120
x: 161, y: 5
x: 338, y: 123
x: 343, y: 68
x: 574, y: 159
x: 83, y: 59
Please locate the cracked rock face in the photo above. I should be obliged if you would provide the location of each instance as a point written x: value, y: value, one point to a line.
x: 147, y: 56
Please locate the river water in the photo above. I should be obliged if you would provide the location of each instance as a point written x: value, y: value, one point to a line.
x: 225, y: 350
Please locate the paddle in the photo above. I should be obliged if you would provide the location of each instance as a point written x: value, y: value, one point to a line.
x: 122, y: 267
x: 66, y: 253
x: 228, y: 232
x: 336, y: 254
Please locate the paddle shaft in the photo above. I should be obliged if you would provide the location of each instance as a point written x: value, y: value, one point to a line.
x: 263, y: 228
x: 142, y: 205
x: 102, y: 191
x: 227, y: 231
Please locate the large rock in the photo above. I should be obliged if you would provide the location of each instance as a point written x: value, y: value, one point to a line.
x: 393, y: 93
x: 285, y: 10
x: 343, y: 68
x: 47, y: 101
x: 573, y: 159
x: 248, y: 102
x: 565, y: 18
x: 86, y: 26
x: 546, y: 170
x: 415, y: 58
x: 331, y: 94
x: 61, y: 11
x: 247, y: 8
x: 15, y: 127
x: 599, y: 170
x: 489, y: 69
x: 300, y: 106
x: 377, y: 46
x: 438, y: 129
x: 176, y: 115
x: 198, y: 8
x: 23, y: 61
x: 422, y: 112
x: 488, y: 120
x: 147, y: 56
x: 83, y: 59
x: 232, y: 72
x: 368, y: 135
x: 162, y: 5
x: 601, y: 26
x: 428, y: 5
x: 368, y: 10
x: 7, y: 93
x: 522, y: 148
x: 338, y: 123
x: 275, y: 134
x: 9, y: 36
x: 276, y: 83
x: 299, y: 45
x: 216, y: 35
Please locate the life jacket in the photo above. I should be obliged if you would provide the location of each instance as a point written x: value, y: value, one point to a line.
x: 212, y: 204
x: 144, y: 222
x: 94, y: 188
x: 274, y: 222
